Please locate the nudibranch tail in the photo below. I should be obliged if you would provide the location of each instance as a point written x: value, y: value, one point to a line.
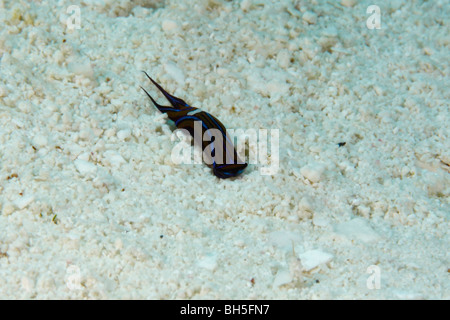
x: 153, y: 100
x: 174, y: 101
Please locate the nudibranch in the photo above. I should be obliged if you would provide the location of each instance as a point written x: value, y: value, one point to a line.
x: 223, y: 158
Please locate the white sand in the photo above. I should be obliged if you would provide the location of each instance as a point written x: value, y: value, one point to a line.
x: 93, y: 207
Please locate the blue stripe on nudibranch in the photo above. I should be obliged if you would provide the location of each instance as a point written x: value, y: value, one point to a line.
x: 191, y: 117
x: 184, y: 117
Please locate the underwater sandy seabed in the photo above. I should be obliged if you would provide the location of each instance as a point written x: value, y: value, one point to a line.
x: 93, y: 207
